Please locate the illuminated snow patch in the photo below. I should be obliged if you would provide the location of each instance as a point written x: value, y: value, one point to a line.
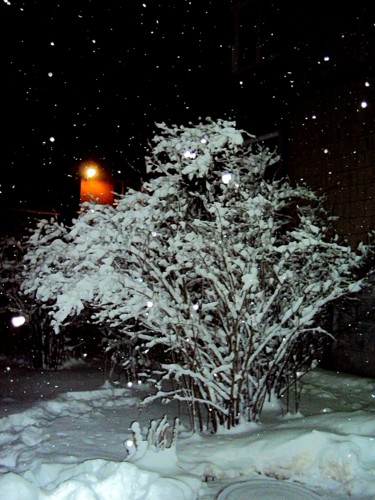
x: 226, y: 177
x: 189, y: 154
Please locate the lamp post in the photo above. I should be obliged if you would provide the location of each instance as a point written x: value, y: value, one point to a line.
x: 96, y: 185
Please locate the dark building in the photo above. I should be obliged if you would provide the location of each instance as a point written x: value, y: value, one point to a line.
x: 305, y: 75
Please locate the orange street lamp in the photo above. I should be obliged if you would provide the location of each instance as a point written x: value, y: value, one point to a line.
x: 90, y: 172
x: 96, y: 186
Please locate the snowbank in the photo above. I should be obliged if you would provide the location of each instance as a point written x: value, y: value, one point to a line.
x: 72, y: 447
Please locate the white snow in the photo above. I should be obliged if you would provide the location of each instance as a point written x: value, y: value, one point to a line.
x: 71, y: 445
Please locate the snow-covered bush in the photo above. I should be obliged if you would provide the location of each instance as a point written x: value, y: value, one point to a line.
x: 216, y: 263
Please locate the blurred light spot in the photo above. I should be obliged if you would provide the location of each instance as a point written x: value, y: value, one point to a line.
x: 226, y: 177
x: 18, y: 321
x: 91, y: 172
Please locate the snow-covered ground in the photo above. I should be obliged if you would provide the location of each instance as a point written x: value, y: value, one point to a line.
x: 63, y: 436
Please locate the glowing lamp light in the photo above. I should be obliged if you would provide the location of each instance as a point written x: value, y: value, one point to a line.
x: 96, y: 185
x: 91, y: 172
x: 18, y: 321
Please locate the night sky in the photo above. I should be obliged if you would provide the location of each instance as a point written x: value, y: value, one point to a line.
x: 88, y: 79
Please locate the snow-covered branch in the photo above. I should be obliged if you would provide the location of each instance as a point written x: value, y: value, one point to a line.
x: 222, y: 269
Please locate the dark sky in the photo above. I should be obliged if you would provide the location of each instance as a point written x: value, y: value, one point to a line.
x: 88, y: 79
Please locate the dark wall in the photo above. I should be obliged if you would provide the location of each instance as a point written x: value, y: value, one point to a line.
x: 331, y: 146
